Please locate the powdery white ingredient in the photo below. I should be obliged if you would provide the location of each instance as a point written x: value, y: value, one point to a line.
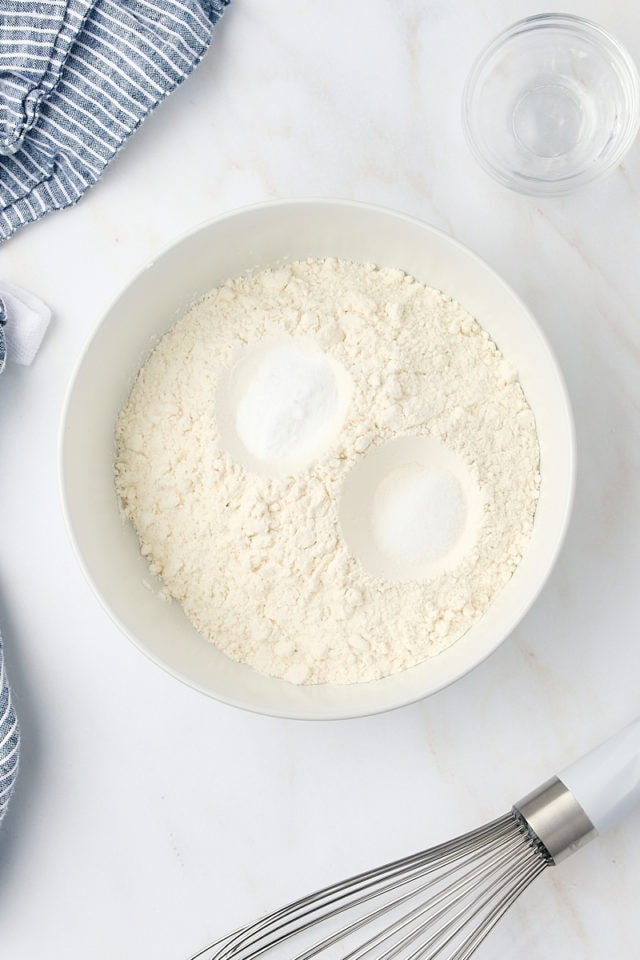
x: 418, y: 513
x: 259, y: 564
x: 289, y: 406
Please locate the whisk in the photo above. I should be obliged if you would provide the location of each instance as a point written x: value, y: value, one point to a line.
x: 441, y: 903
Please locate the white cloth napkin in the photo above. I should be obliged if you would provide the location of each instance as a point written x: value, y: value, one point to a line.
x: 26, y: 320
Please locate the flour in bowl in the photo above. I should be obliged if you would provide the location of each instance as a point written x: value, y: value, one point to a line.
x: 258, y: 558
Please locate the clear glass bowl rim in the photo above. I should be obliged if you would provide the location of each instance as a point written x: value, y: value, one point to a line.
x: 625, y: 64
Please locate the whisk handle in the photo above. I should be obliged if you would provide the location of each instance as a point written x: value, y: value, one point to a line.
x: 606, y: 781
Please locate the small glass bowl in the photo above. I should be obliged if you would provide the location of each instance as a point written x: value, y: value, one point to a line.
x: 551, y: 104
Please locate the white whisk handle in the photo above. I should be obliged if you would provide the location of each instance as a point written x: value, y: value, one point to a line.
x: 606, y: 782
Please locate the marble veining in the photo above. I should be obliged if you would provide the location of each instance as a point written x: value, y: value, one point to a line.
x: 149, y: 819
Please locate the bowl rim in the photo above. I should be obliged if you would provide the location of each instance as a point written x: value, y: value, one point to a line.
x: 558, y: 186
x: 319, y: 714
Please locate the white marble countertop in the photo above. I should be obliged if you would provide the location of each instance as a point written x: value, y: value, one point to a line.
x: 149, y: 819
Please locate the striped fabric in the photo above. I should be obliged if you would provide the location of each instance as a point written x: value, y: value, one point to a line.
x: 76, y: 79
x: 23, y: 322
x: 9, y: 740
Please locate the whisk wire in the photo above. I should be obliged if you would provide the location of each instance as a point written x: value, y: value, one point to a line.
x: 471, y: 944
x: 387, y: 932
x: 456, y: 893
x: 466, y: 916
x: 332, y: 900
x: 451, y: 925
x: 343, y: 895
x: 464, y: 885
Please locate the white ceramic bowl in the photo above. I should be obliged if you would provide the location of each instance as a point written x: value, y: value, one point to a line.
x: 252, y: 237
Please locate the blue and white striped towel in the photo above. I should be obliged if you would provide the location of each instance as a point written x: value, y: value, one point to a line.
x: 9, y: 740
x: 76, y: 79
x: 24, y: 319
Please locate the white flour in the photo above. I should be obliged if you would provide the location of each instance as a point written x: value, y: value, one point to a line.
x: 259, y: 564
